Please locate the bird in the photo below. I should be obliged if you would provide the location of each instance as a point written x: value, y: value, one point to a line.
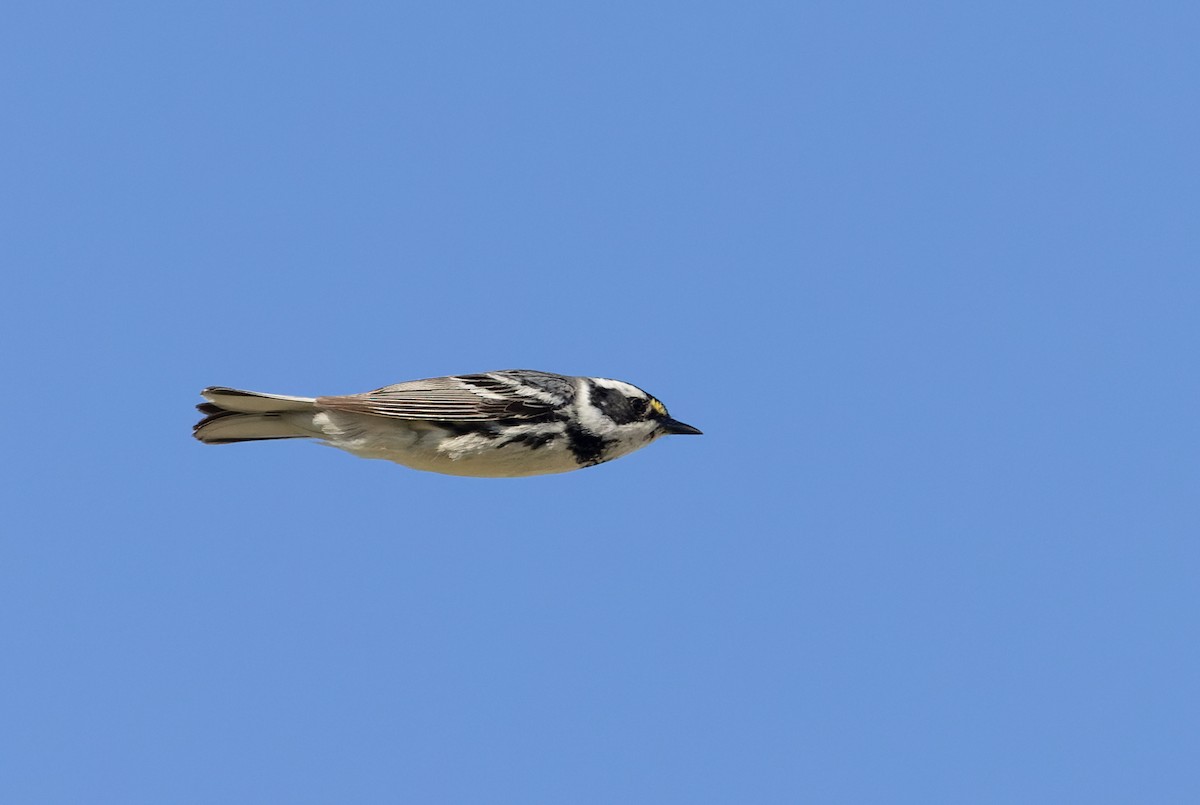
x: 504, y: 424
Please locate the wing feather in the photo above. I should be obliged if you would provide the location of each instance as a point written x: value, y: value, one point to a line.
x: 512, y: 394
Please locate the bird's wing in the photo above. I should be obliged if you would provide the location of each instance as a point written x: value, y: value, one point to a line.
x: 511, y: 394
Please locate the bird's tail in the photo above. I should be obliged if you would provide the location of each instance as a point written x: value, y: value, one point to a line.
x: 232, y: 415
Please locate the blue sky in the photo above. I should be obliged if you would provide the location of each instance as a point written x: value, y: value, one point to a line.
x: 925, y: 274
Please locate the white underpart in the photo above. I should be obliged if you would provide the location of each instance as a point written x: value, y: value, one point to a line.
x: 423, y: 445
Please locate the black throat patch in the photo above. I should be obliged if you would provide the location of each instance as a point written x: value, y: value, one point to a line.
x: 587, y: 447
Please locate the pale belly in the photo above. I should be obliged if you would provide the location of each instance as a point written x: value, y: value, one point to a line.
x: 424, y: 446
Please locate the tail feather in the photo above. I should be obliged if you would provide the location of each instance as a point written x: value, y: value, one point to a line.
x: 254, y: 402
x: 233, y: 415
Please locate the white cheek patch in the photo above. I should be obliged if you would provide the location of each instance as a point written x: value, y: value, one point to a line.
x: 589, y: 415
x: 627, y: 438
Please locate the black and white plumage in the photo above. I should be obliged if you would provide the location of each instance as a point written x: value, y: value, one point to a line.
x: 503, y: 424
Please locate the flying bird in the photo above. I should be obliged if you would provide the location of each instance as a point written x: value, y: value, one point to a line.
x: 505, y: 424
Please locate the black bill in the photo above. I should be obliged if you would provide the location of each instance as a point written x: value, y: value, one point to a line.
x: 675, y: 426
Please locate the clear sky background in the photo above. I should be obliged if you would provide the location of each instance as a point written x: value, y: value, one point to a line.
x: 926, y: 275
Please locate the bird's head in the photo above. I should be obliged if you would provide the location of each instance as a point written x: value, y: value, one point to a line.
x: 616, y: 409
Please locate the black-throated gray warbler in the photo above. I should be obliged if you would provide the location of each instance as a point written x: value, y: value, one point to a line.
x: 496, y: 424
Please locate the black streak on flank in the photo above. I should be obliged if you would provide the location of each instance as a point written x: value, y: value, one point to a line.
x: 615, y: 405
x: 531, y: 440
x: 485, y: 429
x: 587, y: 447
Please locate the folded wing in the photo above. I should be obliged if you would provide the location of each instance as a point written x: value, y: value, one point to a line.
x: 514, y: 394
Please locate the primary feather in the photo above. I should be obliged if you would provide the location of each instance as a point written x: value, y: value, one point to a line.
x: 514, y: 394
